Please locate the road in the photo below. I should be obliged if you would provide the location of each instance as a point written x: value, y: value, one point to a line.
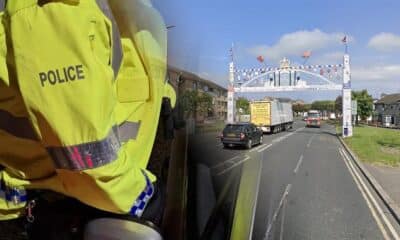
x: 310, y: 188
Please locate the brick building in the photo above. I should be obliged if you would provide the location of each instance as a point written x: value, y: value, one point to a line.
x: 188, y: 81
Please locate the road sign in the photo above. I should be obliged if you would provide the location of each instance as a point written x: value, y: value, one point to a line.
x: 354, y: 107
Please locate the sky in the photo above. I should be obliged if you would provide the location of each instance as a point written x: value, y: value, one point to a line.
x: 206, y: 29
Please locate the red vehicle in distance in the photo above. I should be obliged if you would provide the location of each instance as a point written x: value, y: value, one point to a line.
x: 313, y: 119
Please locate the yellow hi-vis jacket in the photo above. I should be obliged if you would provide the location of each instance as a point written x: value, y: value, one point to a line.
x: 73, y: 118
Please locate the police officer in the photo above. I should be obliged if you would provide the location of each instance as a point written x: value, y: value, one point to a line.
x: 80, y: 101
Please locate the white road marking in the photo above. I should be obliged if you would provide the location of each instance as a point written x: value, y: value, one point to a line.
x: 366, y: 193
x: 309, y: 141
x: 283, y: 219
x: 226, y: 161
x: 280, y: 139
x: 276, y: 213
x: 298, y: 164
x: 255, y: 149
x: 264, y: 148
x: 233, y: 166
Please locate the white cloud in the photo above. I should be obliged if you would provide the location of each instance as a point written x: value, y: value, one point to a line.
x: 333, y: 56
x: 327, y: 58
x: 294, y: 44
x: 385, y: 42
x: 381, y: 73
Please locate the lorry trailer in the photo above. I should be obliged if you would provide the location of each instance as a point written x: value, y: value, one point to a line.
x: 271, y: 116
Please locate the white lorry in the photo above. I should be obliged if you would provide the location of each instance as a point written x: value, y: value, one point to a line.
x: 271, y: 116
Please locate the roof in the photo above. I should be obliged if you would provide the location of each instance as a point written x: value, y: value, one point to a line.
x: 390, y: 98
x: 193, y: 76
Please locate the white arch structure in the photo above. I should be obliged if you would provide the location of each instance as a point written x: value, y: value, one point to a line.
x: 273, y: 84
x: 295, y: 86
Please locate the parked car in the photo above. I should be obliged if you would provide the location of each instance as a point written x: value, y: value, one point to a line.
x: 241, y: 134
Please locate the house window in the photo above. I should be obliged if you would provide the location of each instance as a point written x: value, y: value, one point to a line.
x: 205, y: 88
x: 194, y: 85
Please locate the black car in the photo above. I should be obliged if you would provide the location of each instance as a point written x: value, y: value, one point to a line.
x: 241, y: 134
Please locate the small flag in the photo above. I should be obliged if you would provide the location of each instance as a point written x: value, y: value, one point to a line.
x: 344, y: 40
x: 306, y: 54
x: 231, y: 53
x: 260, y: 59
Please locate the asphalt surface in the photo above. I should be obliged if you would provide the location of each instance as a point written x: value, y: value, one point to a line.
x: 310, y: 188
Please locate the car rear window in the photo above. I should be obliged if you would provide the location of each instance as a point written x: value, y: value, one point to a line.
x: 233, y: 128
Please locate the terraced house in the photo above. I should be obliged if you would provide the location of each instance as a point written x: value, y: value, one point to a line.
x: 387, y: 110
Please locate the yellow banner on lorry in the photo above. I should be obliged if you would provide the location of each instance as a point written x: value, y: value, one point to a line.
x: 260, y: 113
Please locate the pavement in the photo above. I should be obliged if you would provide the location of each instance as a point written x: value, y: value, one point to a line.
x: 310, y: 188
x: 389, y: 178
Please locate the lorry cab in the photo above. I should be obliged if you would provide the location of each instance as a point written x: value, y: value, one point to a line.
x: 313, y: 119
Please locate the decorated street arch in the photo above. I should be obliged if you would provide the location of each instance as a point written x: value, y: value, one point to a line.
x: 288, y: 77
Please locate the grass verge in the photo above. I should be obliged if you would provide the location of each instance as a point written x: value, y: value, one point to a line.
x: 375, y: 145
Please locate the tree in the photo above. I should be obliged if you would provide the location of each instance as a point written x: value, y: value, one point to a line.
x: 204, y: 102
x: 326, y: 105
x: 193, y: 101
x: 244, y: 104
x: 338, y: 104
x: 307, y: 107
x: 188, y: 102
x: 364, y: 103
x: 298, y: 108
x: 301, y: 107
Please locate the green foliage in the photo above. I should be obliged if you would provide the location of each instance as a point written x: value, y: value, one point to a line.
x: 187, y: 102
x: 364, y: 103
x: 338, y: 104
x: 192, y: 101
x: 244, y: 104
x: 376, y: 145
x: 326, y: 105
x: 204, y: 102
x: 307, y: 107
x: 301, y: 107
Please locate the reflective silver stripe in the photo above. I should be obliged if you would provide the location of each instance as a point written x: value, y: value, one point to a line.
x: 17, y: 126
x: 117, y: 48
x: 87, y: 155
x: 94, y: 154
x: 2, y: 5
x: 128, y: 130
